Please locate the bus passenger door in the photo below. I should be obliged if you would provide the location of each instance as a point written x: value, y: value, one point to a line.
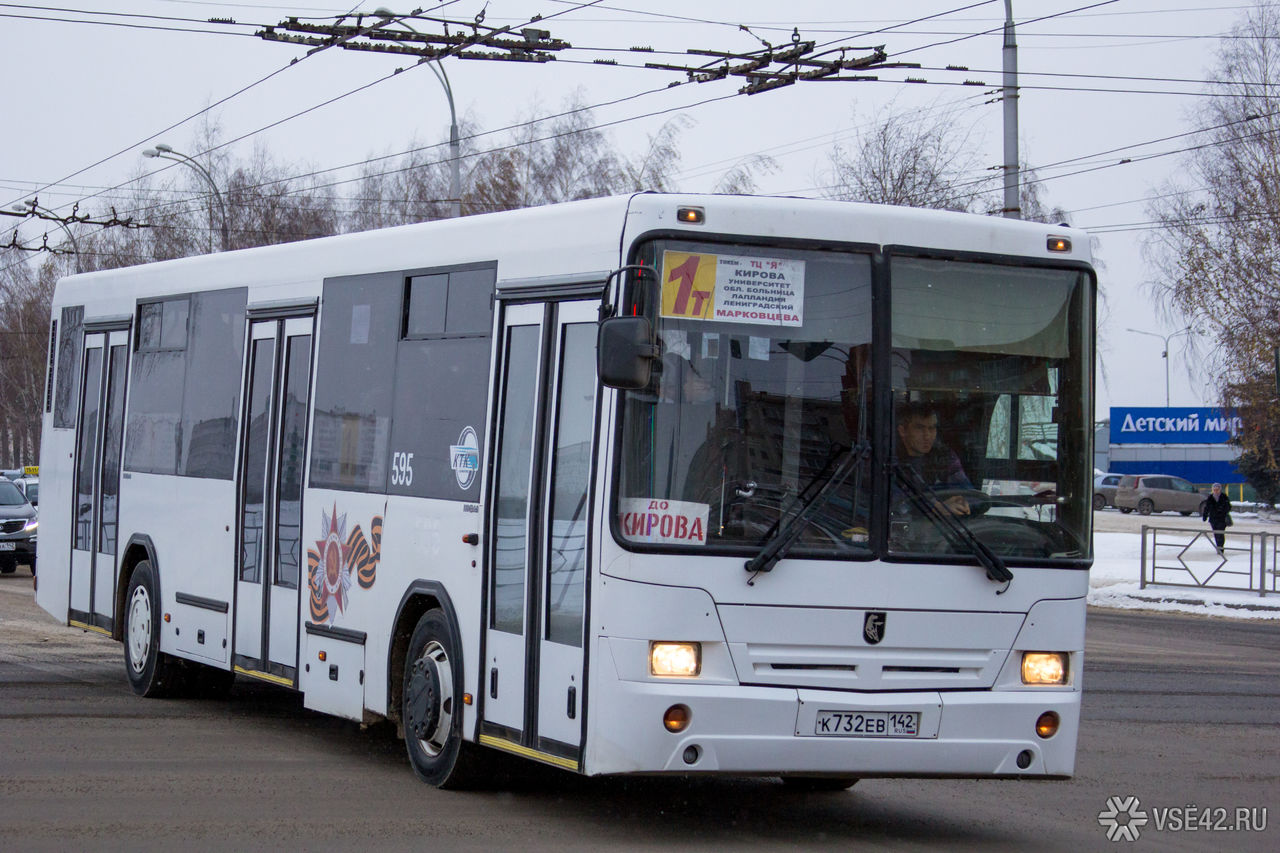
x: 277, y: 393
x: 538, y: 544
x: 98, y: 446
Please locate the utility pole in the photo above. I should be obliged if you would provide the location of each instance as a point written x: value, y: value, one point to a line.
x: 1012, y: 203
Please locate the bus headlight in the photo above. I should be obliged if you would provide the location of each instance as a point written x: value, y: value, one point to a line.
x: 1044, y: 667
x: 675, y: 659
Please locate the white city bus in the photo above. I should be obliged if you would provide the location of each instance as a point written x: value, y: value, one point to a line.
x: 621, y: 485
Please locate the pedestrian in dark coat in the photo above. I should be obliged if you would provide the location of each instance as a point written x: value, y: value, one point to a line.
x: 1216, y: 510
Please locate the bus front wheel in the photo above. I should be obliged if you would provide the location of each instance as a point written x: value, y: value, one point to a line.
x: 151, y: 673
x: 431, y: 707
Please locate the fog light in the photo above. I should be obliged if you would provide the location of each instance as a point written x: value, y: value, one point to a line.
x: 1047, y: 724
x: 691, y: 754
x: 1024, y: 759
x: 675, y: 659
x: 677, y: 718
x: 1044, y: 667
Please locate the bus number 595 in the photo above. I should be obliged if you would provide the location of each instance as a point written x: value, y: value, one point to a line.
x: 402, y: 469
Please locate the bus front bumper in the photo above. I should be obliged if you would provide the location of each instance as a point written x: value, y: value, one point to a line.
x: 771, y: 731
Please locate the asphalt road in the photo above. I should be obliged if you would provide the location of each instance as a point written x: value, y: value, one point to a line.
x: 1179, y: 712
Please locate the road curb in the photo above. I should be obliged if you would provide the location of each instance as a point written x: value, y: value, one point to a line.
x: 1195, y: 602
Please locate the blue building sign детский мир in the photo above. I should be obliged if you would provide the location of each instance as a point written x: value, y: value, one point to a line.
x: 1185, y: 425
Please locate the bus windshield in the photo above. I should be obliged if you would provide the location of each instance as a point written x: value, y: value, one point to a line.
x: 765, y: 380
x: 989, y: 369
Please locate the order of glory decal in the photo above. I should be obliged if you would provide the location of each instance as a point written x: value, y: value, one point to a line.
x: 338, y: 559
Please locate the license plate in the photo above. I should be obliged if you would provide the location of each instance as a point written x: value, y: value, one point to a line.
x: 8, y: 546
x: 868, y: 723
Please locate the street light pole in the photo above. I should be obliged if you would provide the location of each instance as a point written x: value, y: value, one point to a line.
x: 166, y: 152
x: 32, y: 207
x: 455, y: 145
x: 1164, y: 354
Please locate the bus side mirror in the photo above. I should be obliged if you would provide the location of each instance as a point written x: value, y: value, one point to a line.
x: 625, y: 352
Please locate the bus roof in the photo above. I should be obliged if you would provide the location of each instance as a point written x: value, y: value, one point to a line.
x: 580, y: 237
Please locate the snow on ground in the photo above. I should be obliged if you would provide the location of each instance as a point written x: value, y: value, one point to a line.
x: 1114, y: 578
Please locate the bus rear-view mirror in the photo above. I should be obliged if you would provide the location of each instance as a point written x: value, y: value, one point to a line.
x: 625, y: 352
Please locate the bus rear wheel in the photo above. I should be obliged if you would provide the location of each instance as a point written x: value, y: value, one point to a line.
x: 431, y: 707
x: 151, y: 673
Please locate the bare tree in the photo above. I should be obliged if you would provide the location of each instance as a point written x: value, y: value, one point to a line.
x: 1031, y: 199
x: 25, y: 293
x: 740, y: 178
x: 1215, y: 254
x: 565, y: 158
x: 918, y: 160
x: 265, y: 206
x: 413, y: 187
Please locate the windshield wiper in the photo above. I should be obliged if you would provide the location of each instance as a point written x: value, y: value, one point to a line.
x: 957, y: 532
x: 787, y: 534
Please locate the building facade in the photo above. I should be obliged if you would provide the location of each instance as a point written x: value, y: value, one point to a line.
x: 1187, y: 442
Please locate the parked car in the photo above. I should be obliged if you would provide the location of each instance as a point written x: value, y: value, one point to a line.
x: 30, y: 488
x: 1148, y: 493
x: 1104, y: 490
x: 18, y: 524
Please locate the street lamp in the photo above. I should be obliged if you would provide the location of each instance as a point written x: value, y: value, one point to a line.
x: 166, y: 152
x: 32, y: 206
x: 455, y: 146
x: 1164, y: 354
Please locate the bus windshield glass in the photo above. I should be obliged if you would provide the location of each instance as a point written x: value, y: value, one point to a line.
x: 764, y: 380
x: 762, y: 385
x: 989, y: 369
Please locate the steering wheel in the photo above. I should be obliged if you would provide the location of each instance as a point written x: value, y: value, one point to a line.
x: 979, y: 502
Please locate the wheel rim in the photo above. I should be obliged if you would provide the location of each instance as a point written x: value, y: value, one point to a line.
x: 429, y: 700
x: 139, y: 629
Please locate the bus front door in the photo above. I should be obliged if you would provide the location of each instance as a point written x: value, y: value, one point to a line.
x: 532, y: 692
x: 273, y: 438
x: 97, y: 489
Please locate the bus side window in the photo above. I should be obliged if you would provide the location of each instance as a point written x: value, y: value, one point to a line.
x: 184, y: 392
x: 445, y: 347
x: 355, y: 373
x: 70, y: 344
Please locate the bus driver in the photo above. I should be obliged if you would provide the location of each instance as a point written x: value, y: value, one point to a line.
x: 935, y: 463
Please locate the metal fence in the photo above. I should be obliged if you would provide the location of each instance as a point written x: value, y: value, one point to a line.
x: 1175, y: 556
